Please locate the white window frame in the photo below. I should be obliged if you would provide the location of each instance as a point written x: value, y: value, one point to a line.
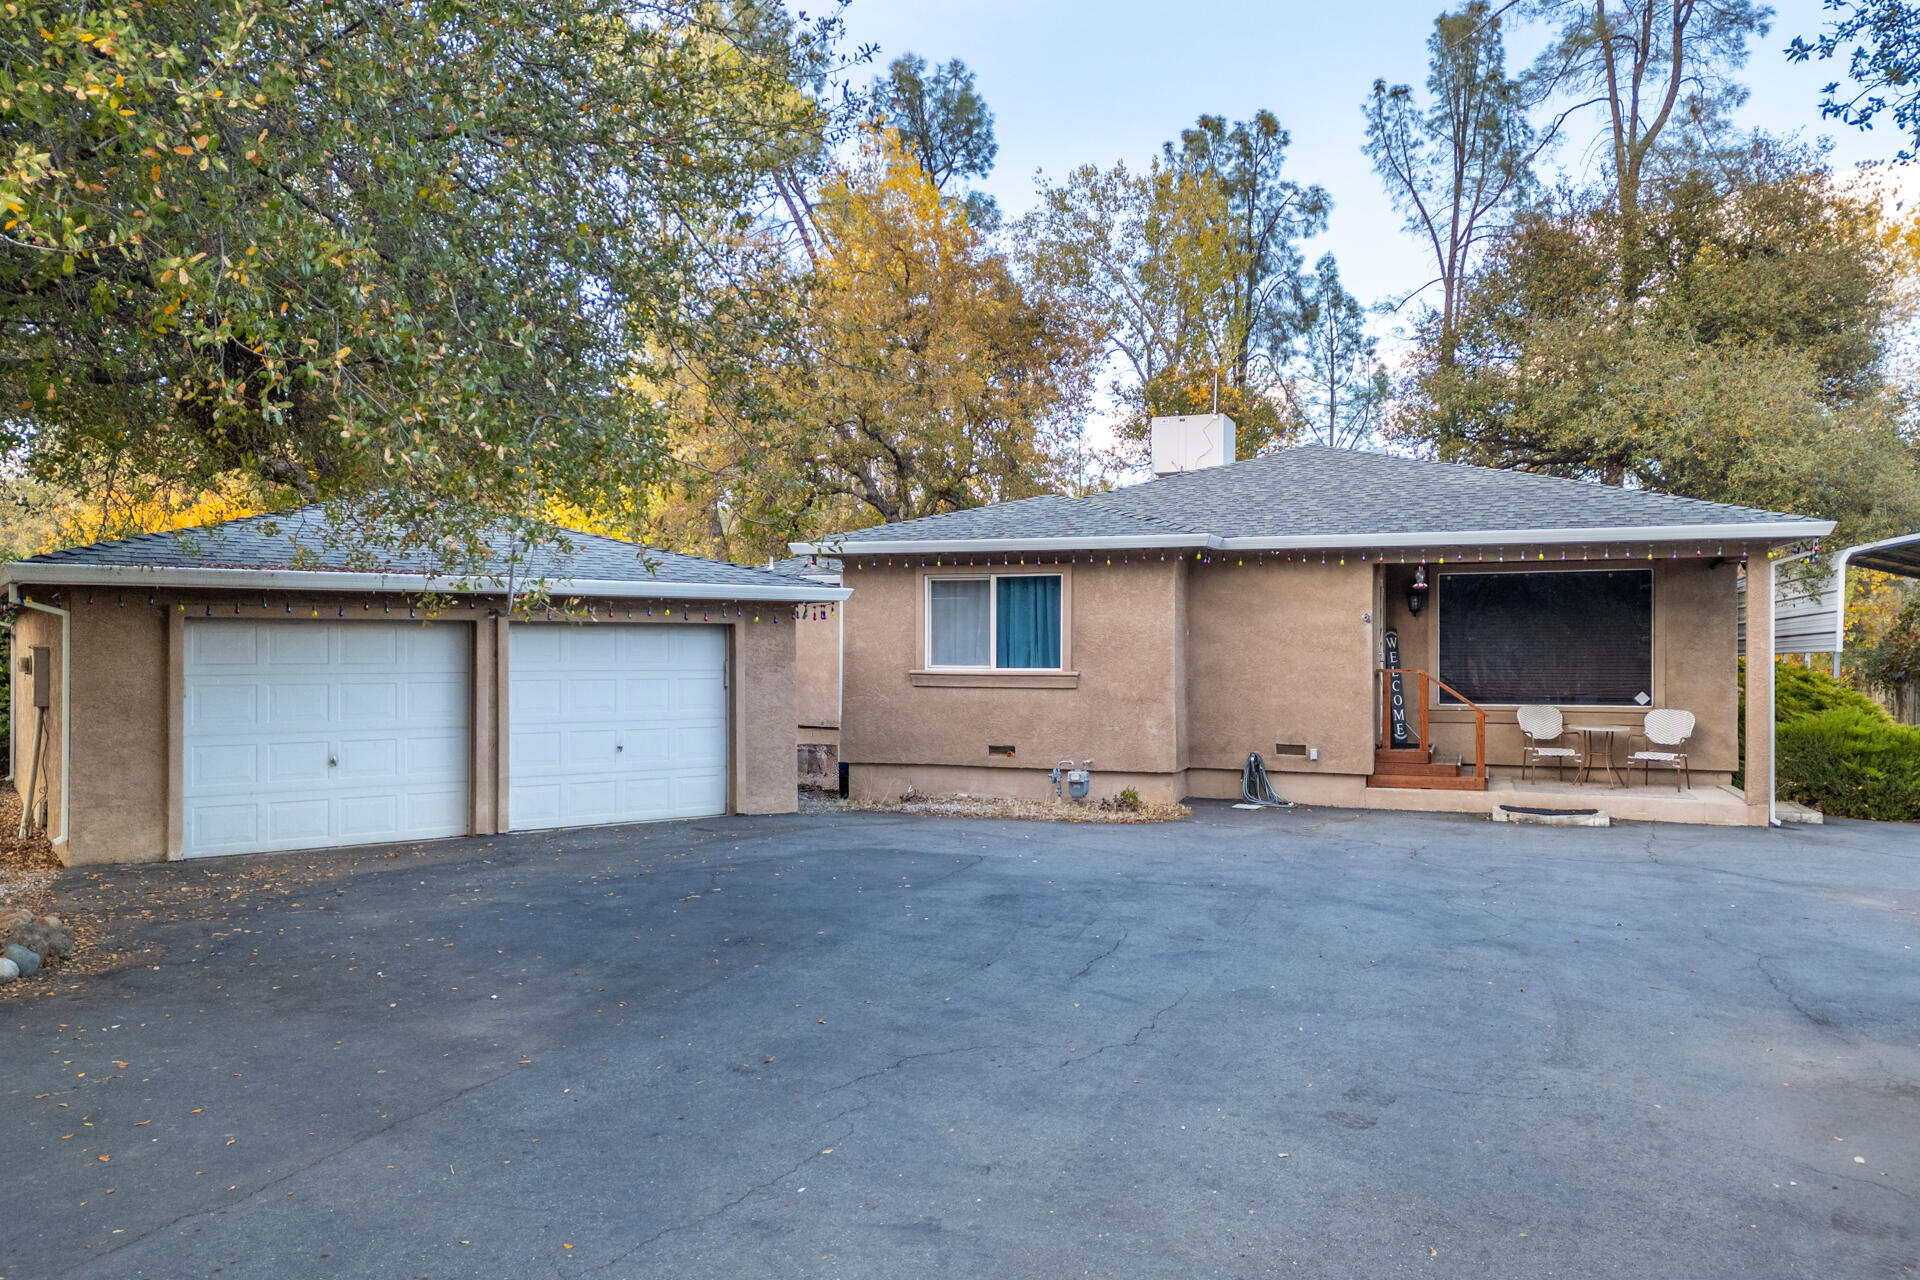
x: 993, y: 618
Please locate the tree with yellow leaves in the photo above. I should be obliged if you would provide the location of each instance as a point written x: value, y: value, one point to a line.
x: 919, y: 375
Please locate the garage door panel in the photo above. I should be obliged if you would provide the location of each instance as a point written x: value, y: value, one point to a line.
x: 365, y: 702
x: 358, y: 732
x: 589, y: 698
x: 533, y: 699
x: 222, y: 646
x: 430, y: 758
x: 425, y: 809
x: 310, y: 821
x: 213, y: 707
x: 222, y: 827
x: 370, y: 818
x: 367, y: 759
x: 616, y: 723
x: 696, y: 695
x: 692, y: 795
x: 368, y: 646
x: 534, y: 805
x: 299, y: 705
x: 290, y: 762
x: 646, y: 698
x: 591, y: 748
x: 298, y: 646
x: 646, y: 647
x: 228, y: 765
x: 531, y: 751
x: 595, y: 647
x: 702, y: 745
x: 435, y: 701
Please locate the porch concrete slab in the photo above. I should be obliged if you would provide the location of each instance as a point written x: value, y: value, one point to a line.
x: 1711, y: 806
x: 1305, y: 1043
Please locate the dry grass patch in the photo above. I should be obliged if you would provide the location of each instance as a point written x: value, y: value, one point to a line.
x: 966, y: 806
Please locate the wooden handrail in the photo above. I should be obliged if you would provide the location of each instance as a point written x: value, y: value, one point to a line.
x: 1386, y: 714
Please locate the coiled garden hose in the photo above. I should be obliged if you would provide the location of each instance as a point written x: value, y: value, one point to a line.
x: 1257, y: 788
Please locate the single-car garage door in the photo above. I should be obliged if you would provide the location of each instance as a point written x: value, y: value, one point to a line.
x: 616, y: 723
x: 300, y: 735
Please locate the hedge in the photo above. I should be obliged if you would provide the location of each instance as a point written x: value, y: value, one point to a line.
x: 1851, y: 764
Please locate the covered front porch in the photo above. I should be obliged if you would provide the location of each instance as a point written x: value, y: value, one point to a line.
x: 1607, y: 650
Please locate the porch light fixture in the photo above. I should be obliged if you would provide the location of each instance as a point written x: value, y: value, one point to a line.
x: 1417, y: 593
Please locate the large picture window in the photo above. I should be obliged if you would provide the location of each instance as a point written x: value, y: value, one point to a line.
x: 1582, y: 638
x: 1005, y: 622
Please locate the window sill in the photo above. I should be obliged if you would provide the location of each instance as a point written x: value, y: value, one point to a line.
x: 994, y: 679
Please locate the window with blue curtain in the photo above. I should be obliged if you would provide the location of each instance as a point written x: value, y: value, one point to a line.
x: 1027, y: 621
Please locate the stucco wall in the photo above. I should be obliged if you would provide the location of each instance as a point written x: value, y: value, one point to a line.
x: 816, y: 676
x: 1120, y: 702
x: 763, y: 714
x: 119, y: 726
x: 1179, y: 669
x: 128, y: 686
x: 1280, y: 653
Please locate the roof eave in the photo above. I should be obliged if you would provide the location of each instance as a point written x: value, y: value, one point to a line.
x: 941, y: 546
x: 1769, y: 532
x: 54, y: 573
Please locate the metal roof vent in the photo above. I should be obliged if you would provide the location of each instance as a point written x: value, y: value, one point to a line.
x: 1191, y: 441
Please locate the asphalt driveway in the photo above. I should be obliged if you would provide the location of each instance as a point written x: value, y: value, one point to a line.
x: 1251, y: 1044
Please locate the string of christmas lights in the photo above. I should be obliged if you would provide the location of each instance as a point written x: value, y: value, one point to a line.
x: 197, y: 605
x: 1558, y: 553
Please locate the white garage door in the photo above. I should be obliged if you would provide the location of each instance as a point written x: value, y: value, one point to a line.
x: 306, y: 734
x: 616, y: 723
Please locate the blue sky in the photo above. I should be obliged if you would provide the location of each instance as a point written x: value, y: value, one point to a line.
x: 1074, y: 81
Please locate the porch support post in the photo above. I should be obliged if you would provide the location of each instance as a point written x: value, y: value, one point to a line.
x: 1759, y: 761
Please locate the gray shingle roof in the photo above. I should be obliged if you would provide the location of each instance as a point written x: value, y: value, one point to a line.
x: 1319, y: 492
x: 309, y: 539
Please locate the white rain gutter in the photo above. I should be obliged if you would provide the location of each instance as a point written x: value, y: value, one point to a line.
x: 146, y: 577
x: 66, y: 708
x: 1770, y: 531
x: 1136, y: 542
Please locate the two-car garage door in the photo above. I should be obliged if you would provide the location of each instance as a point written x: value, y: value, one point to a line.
x: 299, y: 735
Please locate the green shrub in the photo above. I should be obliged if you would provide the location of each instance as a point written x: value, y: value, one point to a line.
x: 1804, y: 691
x: 1851, y: 764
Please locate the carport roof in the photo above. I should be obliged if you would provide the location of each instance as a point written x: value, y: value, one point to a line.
x: 1315, y: 496
x: 307, y: 549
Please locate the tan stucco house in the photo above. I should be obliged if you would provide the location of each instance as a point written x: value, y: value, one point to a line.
x: 1167, y: 629
x: 255, y: 686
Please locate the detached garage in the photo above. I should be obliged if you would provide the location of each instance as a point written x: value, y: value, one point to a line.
x: 218, y: 693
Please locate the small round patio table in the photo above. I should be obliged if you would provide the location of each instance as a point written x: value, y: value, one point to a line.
x: 1607, y: 731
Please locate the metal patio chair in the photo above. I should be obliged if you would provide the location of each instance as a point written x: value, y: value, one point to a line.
x: 1543, y: 728
x: 1666, y: 732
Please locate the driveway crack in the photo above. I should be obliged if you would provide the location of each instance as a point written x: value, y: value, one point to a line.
x: 899, y: 1063
x: 1088, y: 967
x: 1134, y: 1039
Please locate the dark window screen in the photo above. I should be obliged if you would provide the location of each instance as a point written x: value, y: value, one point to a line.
x: 1547, y: 637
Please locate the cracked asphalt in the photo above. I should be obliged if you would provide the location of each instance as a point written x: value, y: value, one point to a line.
x: 865, y: 1045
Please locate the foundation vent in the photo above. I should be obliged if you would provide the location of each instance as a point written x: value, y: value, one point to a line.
x: 1290, y: 748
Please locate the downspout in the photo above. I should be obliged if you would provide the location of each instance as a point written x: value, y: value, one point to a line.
x: 66, y: 707
x: 1773, y: 723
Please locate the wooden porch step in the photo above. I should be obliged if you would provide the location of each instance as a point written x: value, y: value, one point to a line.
x: 1419, y: 769
x: 1388, y: 757
x: 1427, y: 781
